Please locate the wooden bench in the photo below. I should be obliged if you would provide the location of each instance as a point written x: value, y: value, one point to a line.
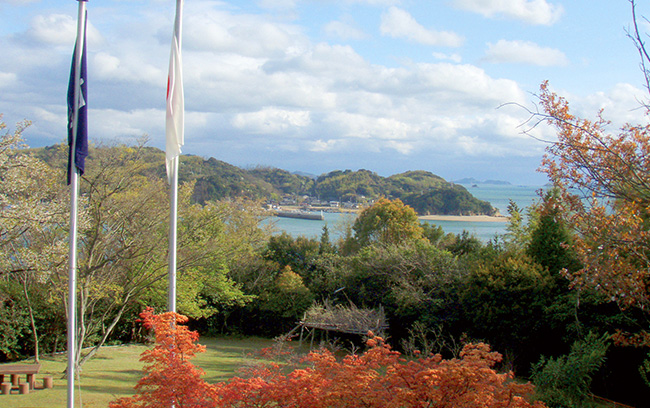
x: 16, y: 370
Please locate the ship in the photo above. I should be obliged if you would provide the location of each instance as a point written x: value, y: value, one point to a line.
x: 303, y: 215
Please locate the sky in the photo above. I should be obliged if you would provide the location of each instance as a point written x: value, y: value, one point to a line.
x: 319, y: 85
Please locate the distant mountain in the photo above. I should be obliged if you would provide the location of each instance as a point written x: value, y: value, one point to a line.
x: 283, y: 181
x: 213, y: 179
x: 302, y: 173
x: 471, y: 180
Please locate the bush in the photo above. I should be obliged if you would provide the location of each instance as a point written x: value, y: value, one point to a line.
x: 379, y: 377
x: 565, y: 381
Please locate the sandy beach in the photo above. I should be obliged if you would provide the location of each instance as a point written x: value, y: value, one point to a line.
x: 464, y: 218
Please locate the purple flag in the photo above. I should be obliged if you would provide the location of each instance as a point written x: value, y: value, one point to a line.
x: 80, y: 150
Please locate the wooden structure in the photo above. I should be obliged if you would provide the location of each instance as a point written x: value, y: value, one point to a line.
x: 15, y: 371
x: 343, y: 319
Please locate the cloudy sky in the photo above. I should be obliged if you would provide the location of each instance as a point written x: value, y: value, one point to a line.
x: 320, y: 85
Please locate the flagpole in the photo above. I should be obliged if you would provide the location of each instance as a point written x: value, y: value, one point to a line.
x: 173, y: 224
x: 174, y: 130
x: 74, y: 194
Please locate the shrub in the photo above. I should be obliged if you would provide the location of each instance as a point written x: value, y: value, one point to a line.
x: 565, y: 381
x: 380, y: 377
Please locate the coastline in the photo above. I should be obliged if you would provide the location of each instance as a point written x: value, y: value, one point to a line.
x: 459, y: 218
x: 465, y: 218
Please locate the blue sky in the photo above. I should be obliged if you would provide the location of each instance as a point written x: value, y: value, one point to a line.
x: 320, y: 85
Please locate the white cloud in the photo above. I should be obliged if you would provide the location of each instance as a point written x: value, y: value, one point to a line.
x: 59, y: 29
x: 621, y: 104
x: 524, y: 52
x: 210, y: 30
x: 120, y: 124
x: 401, y: 147
x: 351, y: 125
x: 400, y: 24
x: 7, y: 79
x: 131, y: 68
x: 320, y: 145
x: 344, y: 29
x: 274, y: 4
x: 271, y: 121
x: 54, y: 29
x: 448, y: 57
x: 538, y: 12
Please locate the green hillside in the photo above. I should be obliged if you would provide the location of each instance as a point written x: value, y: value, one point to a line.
x: 426, y: 192
x: 283, y: 181
x: 348, y: 185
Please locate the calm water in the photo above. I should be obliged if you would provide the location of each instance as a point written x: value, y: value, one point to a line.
x: 497, y: 195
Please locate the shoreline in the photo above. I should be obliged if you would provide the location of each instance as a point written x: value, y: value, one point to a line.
x: 465, y: 218
x: 435, y: 217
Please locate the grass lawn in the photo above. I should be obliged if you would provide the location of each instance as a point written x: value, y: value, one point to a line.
x: 114, y: 371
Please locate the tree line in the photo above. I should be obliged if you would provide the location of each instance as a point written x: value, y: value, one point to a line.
x: 213, y: 179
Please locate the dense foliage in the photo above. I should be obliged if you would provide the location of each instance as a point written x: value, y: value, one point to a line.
x: 379, y: 377
x: 565, y: 381
x: 122, y: 265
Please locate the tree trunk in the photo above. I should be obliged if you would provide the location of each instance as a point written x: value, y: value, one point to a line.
x: 32, y: 321
x: 107, y: 333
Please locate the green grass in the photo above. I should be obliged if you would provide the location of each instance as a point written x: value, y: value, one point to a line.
x: 113, y: 372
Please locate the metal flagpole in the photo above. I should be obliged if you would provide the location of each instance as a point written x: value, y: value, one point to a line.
x: 74, y: 193
x: 175, y: 113
x: 173, y: 221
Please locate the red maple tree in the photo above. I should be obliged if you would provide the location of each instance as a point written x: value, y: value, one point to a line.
x: 170, y: 379
x: 379, y: 377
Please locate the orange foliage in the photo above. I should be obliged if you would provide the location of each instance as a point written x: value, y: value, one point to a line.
x: 169, y: 377
x: 380, y: 377
x: 604, y: 181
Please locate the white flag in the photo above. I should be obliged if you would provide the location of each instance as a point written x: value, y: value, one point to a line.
x: 175, y: 103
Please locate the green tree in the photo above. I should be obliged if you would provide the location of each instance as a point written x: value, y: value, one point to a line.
x: 298, y: 253
x: 504, y: 299
x: 387, y: 222
x: 33, y: 211
x: 463, y: 244
x: 325, y: 246
x: 412, y: 281
x: 289, y: 297
x: 517, y: 236
x: 123, y: 230
x: 565, y: 381
x: 434, y: 233
x: 551, y: 242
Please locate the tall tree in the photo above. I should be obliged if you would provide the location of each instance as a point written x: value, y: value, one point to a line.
x: 122, y: 256
x: 387, y: 222
x: 604, y: 183
x: 33, y: 211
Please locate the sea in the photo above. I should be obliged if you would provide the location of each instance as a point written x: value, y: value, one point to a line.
x: 499, y: 195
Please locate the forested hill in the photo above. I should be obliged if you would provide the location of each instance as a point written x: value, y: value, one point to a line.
x: 215, y: 179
